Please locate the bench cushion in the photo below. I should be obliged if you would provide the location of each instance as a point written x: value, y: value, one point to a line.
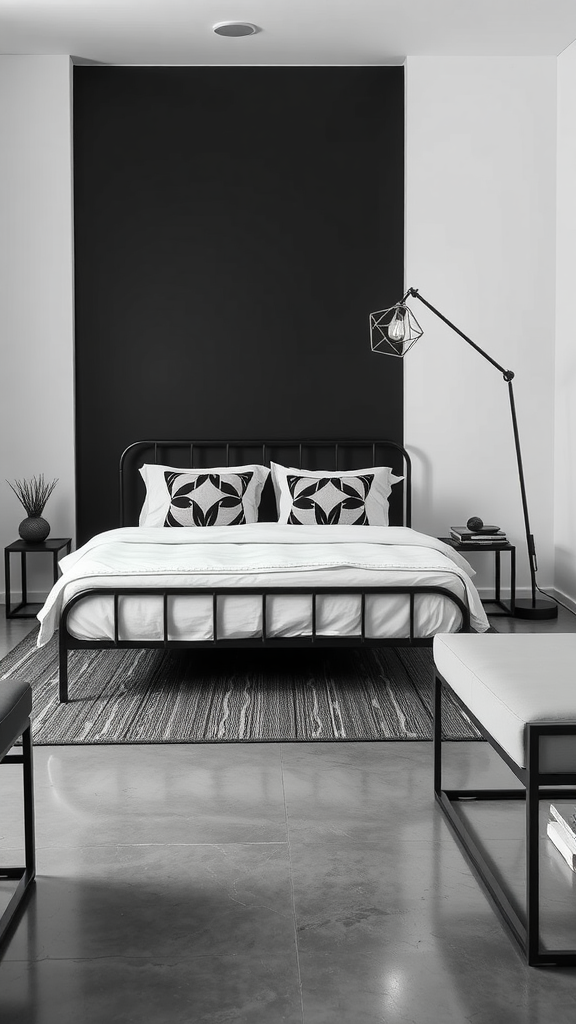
x: 15, y: 708
x: 508, y: 680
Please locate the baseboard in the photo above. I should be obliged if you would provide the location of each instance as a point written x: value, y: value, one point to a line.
x: 564, y: 600
x: 34, y: 597
x: 486, y: 593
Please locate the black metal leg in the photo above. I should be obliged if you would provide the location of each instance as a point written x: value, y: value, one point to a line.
x: 497, y: 580
x: 532, y: 852
x: 512, y: 581
x: 437, y: 735
x: 63, y: 678
x: 7, y: 581
x: 24, y: 579
x: 28, y: 783
x: 63, y: 669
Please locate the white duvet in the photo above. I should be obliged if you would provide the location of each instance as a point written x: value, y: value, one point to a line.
x: 260, y: 555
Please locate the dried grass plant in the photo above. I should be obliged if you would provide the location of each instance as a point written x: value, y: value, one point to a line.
x: 33, y: 494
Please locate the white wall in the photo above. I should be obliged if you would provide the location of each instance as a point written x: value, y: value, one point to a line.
x: 36, y: 282
x: 565, y: 465
x: 480, y: 245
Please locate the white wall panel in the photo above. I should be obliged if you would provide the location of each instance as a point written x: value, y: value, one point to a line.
x: 565, y: 465
x: 480, y: 245
x: 36, y: 287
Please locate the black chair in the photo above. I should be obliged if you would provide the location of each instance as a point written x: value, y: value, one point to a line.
x: 15, y: 708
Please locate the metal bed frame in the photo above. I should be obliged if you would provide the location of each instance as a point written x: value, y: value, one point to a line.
x: 309, y: 454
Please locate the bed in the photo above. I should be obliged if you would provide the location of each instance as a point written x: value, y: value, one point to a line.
x: 286, y: 564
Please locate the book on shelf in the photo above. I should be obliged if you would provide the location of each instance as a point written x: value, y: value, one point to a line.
x: 563, y: 841
x: 566, y: 816
x: 480, y: 540
x: 492, y: 536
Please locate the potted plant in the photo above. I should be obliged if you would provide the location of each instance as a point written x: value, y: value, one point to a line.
x: 33, y: 495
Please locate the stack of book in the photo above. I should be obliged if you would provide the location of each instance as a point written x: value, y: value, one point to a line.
x: 487, y: 535
x: 561, y: 830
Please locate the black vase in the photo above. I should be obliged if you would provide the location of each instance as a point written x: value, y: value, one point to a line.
x: 34, y: 529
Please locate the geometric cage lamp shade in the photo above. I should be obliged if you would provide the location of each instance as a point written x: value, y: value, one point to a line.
x: 393, y: 331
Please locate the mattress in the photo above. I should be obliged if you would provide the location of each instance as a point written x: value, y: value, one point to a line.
x: 252, y: 557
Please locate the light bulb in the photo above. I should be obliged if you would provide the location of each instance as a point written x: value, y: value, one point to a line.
x: 396, y: 327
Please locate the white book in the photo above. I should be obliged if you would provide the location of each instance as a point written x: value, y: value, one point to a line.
x: 565, y: 816
x: 563, y: 842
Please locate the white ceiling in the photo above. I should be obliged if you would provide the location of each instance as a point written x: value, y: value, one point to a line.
x: 292, y: 31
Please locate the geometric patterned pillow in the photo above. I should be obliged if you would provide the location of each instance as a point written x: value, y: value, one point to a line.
x: 350, y: 498
x: 329, y: 500
x: 206, y: 499
x: 215, y: 495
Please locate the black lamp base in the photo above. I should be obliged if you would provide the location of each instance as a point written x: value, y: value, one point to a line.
x: 524, y: 608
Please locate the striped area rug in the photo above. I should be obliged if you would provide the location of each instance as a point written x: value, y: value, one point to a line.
x: 231, y: 696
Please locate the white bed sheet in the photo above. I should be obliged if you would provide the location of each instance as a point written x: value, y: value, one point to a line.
x: 261, y: 555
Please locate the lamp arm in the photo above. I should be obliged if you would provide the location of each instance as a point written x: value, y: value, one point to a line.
x: 508, y: 377
x: 507, y: 374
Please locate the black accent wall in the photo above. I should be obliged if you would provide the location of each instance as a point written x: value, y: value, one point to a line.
x: 234, y: 227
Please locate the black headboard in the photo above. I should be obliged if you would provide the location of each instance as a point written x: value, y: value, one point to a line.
x: 331, y: 456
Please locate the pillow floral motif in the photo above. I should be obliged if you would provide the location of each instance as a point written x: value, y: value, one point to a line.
x: 215, y: 496
x: 206, y: 499
x: 329, y: 500
x: 353, y: 498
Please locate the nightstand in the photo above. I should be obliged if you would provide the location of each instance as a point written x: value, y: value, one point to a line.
x: 505, y: 607
x: 26, y: 609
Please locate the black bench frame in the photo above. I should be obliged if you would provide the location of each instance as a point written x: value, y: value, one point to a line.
x: 27, y: 873
x: 538, y: 785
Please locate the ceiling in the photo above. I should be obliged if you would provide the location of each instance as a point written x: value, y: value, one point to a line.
x: 292, y: 31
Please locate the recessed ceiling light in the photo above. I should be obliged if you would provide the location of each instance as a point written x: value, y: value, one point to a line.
x: 235, y: 28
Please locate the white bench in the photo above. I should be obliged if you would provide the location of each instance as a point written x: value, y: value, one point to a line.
x: 520, y: 691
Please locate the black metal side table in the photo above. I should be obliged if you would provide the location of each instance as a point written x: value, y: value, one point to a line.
x: 505, y: 607
x: 26, y: 609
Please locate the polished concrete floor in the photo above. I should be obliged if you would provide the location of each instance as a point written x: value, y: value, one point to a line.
x: 267, y: 883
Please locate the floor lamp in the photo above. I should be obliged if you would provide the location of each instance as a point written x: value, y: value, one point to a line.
x: 393, y: 332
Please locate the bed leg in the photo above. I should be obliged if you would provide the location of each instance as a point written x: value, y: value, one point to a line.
x: 63, y: 676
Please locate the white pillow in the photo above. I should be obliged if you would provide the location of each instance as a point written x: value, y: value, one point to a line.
x: 357, y: 497
x: 220, y: 496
